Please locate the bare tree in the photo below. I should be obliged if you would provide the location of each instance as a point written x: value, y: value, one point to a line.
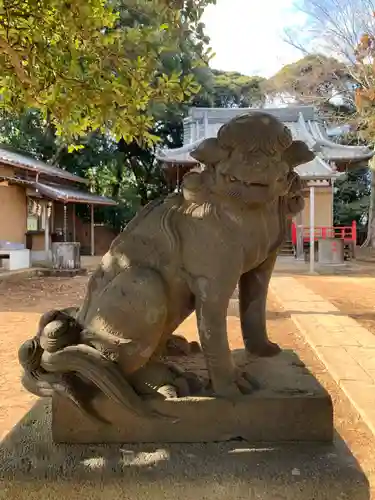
x: 345, y: 29
x: 314, y: 80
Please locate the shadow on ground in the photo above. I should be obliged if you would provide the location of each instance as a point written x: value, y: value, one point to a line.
x: 33, y: 467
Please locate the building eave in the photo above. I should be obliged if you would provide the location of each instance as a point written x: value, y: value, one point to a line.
x: 340, y: 155
x: 332, y: 151
x: 64, y: 195
x: 178, y: 156
x: 317, y: 169
x: 14, y: 159
x: 288, y: 113
x: 60, y: 193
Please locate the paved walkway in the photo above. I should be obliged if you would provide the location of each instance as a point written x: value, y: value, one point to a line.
x: 346, y: 348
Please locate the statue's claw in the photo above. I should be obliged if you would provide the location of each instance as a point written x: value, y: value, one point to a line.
x: 246, y: 383
x: 243, y: 385
x: 168, y: 391
x: 184, y: 385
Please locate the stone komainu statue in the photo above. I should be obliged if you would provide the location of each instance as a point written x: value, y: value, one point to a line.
x: 181, y: 254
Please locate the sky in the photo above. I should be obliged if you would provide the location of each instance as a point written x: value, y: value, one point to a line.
x: 247, y: 35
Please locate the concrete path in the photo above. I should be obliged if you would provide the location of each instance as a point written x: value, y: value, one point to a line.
x: 346, y: 348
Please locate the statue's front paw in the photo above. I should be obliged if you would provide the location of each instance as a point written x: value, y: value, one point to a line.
x: 264, y: 350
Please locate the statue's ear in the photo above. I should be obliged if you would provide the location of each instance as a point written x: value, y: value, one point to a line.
x: 209, y: 152
x: 297, y: 154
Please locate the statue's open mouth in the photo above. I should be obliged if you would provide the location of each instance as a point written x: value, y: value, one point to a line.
x: 231, y: 178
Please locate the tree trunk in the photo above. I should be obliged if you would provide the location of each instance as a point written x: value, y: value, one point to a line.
x: 370, y: 240
x: 142, y: 192
x: 116, y: 186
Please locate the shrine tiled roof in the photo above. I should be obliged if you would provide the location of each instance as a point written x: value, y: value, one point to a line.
x: 203, y: 123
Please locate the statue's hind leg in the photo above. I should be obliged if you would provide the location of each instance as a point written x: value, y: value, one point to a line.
x: 133, y: 309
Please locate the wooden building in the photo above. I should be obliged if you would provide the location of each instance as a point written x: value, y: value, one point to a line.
x: 37, y: 207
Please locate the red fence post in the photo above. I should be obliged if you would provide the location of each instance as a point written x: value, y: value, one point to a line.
x: 354, y: 232
x: 294, y: 233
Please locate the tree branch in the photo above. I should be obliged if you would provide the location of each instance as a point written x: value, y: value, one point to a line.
x: 16, y: 62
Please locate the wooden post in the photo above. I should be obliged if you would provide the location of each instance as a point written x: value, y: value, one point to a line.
x: 354, y: 232
x: 53, y: 217
x: 74, y: 221
x: 312, y: 229
x: 92, y: 231
x: 65, y: 222
x: 46, y: 230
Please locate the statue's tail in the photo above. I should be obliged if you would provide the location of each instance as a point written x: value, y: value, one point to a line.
x: 56, y: 360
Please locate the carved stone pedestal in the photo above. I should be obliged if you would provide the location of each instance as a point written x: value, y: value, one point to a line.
x: 290, y: 406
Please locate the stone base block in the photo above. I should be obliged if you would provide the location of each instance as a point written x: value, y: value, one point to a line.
x: 290, y: 406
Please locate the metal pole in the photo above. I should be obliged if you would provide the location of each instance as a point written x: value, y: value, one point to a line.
x: 312, y: 229
x: 299, y: 231
x: 92, y: 231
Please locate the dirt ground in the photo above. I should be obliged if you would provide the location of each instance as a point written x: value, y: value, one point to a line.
x: 23, y: 300
x: 354, y: 296
x: 21, y: 303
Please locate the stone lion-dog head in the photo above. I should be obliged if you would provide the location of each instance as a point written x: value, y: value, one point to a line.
x: 251, y: 160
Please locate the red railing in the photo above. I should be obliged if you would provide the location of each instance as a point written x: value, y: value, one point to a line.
x: 346, y: 233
